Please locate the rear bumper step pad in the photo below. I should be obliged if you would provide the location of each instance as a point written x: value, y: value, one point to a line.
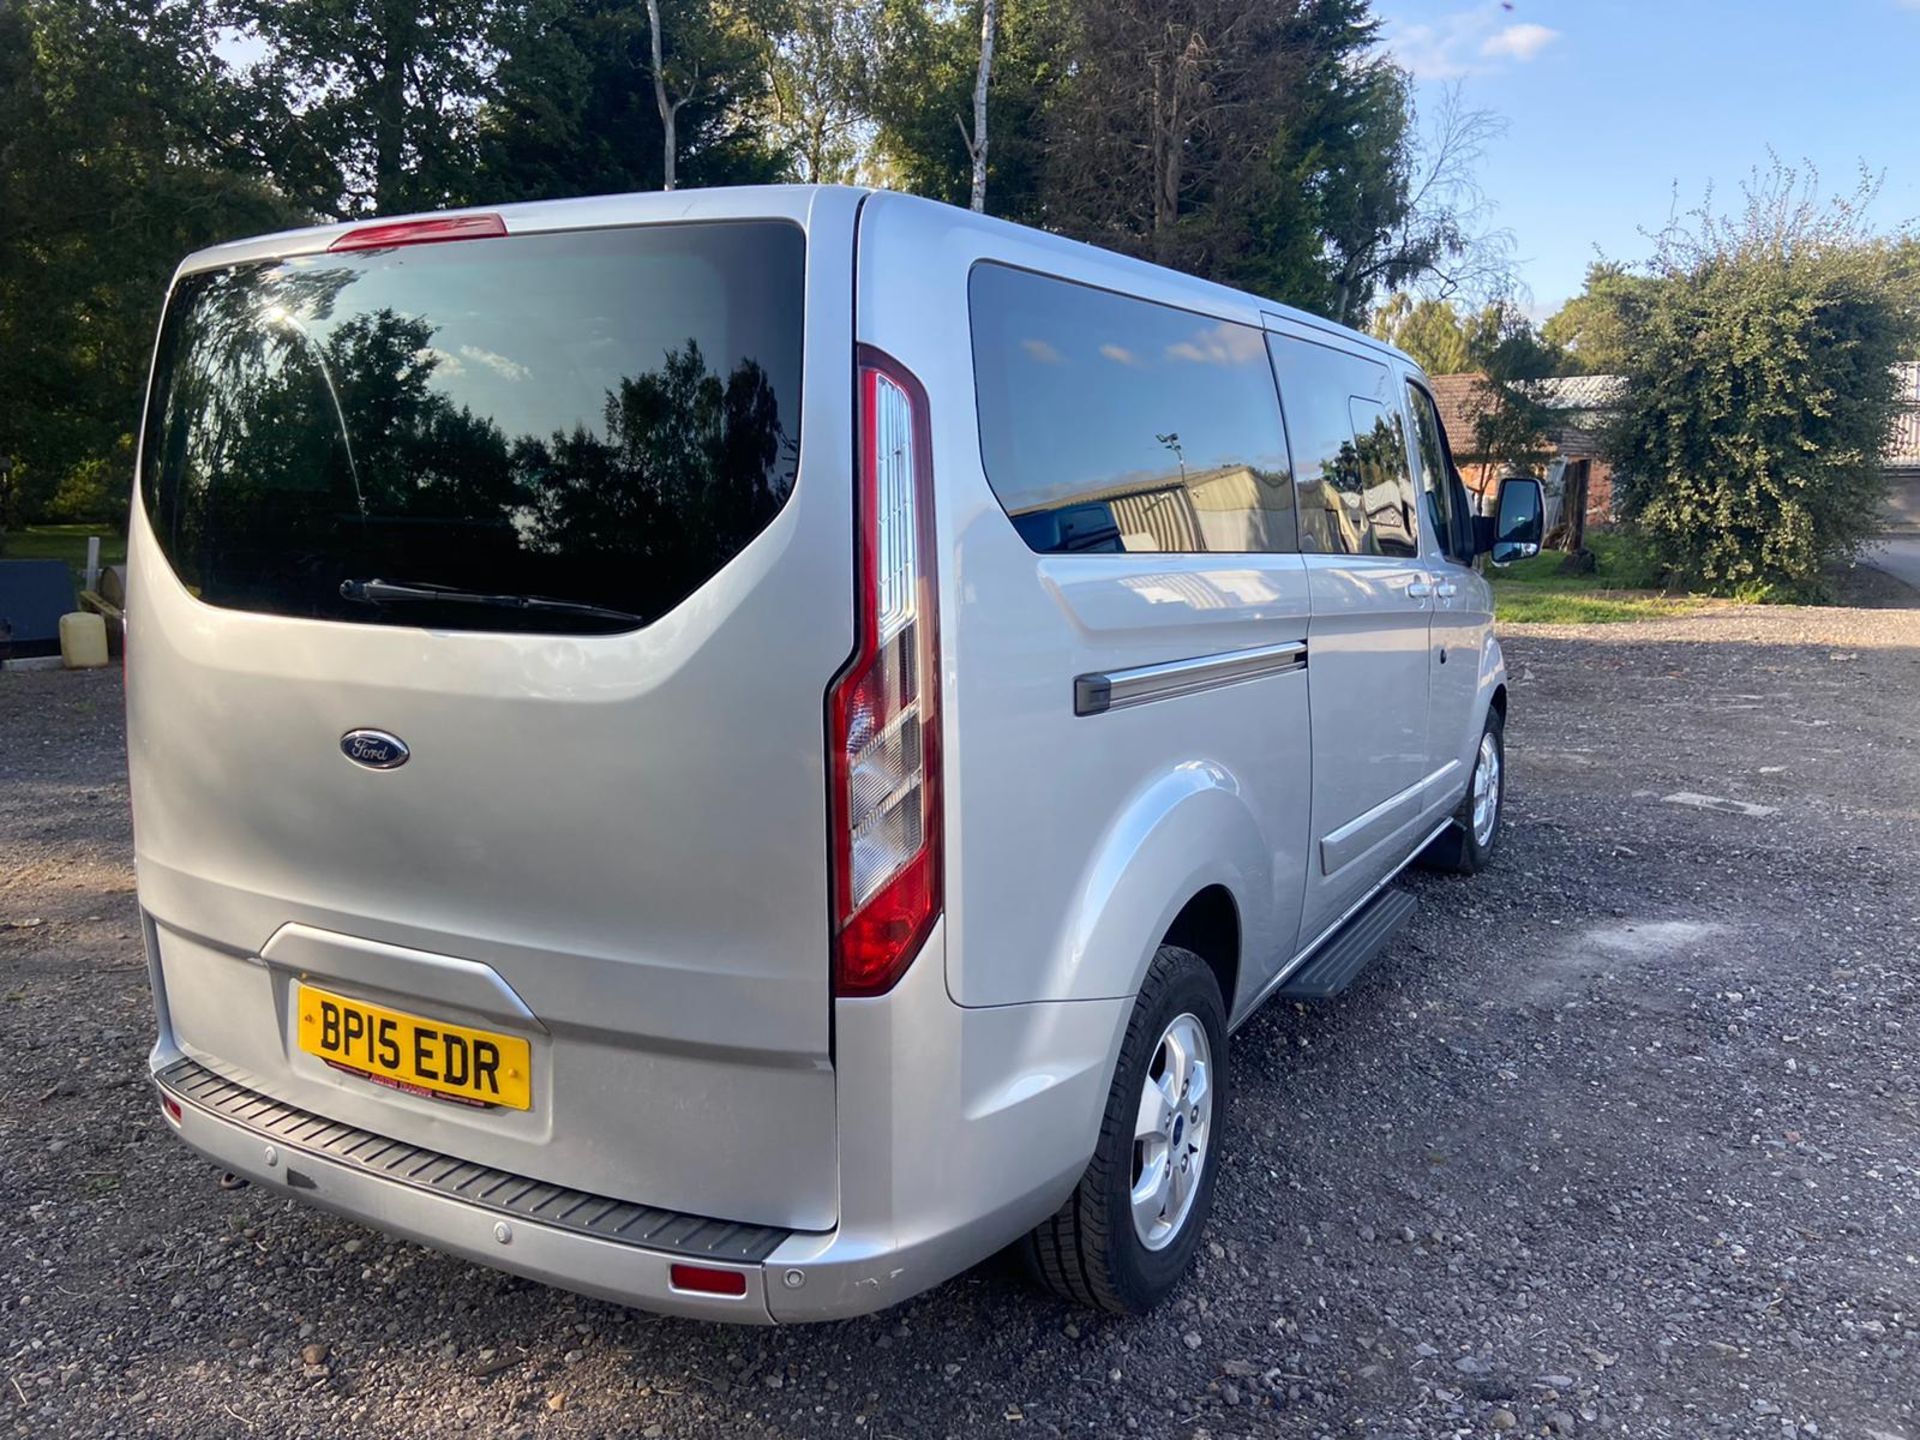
x: 518, y: 1196
x: 1352, y: 948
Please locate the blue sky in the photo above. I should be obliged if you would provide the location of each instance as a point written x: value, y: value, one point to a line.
x: 1611, y: 104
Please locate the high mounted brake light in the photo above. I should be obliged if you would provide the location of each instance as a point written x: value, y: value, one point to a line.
x: 884, y: 710
x: 421, y: 232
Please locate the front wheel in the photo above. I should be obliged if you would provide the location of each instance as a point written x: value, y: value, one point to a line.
x: 1466, y: 845
x: 1127, y: 1233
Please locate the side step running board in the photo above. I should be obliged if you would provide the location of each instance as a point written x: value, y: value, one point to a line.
x: 1351, y: 948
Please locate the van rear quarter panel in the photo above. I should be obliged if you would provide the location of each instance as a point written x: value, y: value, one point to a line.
x: 1073, y: 841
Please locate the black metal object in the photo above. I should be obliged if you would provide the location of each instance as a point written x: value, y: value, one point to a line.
x: 1351, y: 948
x: 642, y: 1226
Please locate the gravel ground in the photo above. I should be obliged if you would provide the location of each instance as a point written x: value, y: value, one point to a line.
x: 1619, y: 1138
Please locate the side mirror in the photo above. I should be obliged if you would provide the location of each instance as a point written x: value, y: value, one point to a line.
x: 1516, y: 529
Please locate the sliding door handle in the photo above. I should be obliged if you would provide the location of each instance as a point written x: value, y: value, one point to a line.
x: 1446, y: 589
x: 1419, y: 590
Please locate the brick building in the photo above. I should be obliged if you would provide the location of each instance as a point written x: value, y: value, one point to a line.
x: 1581, y: 406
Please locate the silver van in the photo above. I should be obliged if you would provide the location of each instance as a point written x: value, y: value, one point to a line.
x: 740, y: 751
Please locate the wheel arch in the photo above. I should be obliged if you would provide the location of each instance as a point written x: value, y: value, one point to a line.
x: 1209, y: 926
x: 1184, y: 862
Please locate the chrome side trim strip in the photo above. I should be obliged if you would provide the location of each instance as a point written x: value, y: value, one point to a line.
x: 1286, y: 971
x: 1104, y: 690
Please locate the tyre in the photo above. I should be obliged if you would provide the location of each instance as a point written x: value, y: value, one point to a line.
x: 1466, y: 846
x: 1127, y: 1233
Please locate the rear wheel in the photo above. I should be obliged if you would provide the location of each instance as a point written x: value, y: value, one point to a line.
x: 1466, y: 845
x: 1127, y: 1233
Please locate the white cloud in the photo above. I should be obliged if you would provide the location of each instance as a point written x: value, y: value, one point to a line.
x: 1471, y: 41
x: 1041, y: 351
x: 1221, y: 344
x: 447, y: 366
x: 1518, y: 42
x: 499, y: 364
x: 1120, y: 355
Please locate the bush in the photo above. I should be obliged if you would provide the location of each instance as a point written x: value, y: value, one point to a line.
x: 94, y: 492
x: 1760, y: 355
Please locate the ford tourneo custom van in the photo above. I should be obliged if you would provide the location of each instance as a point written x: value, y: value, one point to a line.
x: 740, y: 751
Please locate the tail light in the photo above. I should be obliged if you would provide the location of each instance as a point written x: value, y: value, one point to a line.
x: 884, y: 710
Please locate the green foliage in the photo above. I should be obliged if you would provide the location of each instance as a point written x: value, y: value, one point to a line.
x: 570, y: 109
x: 367, y: 106
x: 1587, y: 329
x: 1625, y: 584
x: 1428, y: 329
x: 116, y: 158
x: 95, y: 491
x: 1510, y: 431
x: 1759, y: 353
x: 824, y: 71
x: 1294, y: 169
x: 922, y: 99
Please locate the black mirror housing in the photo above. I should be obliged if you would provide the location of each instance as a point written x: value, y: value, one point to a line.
x: 1516, y: 529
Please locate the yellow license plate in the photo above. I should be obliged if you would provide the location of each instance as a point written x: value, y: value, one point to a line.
x: 406, y: 1052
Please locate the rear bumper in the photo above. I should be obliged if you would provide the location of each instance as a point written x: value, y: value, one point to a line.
x: 624, y: 1273
x: 959, y: 1131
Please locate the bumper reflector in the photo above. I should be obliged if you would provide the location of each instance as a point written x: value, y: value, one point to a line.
x: 707, y: 1280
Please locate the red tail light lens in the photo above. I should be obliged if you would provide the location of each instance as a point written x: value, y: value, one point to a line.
x: 884, y: 709
x: 170, y: 1107
x: 708, y: 1280
x: 422, y: 232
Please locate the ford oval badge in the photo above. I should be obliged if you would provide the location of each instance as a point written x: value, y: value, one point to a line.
x: 375, y: 749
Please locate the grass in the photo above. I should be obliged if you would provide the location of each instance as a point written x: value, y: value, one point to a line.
x: 64, y: 542
x: 1623, y: 586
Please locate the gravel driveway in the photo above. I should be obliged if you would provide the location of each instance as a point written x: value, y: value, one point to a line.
x: 1619, y: 1138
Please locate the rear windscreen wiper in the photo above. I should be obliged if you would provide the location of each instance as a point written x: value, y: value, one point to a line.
x: 388, y: 592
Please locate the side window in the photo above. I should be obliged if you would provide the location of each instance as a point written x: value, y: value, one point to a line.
x: 1442, y: 496
x: 1349, y: 451
x: 1381, y: 488
x: 1109, y: 423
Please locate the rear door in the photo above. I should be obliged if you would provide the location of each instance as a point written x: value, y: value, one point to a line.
x: 1371, y: 597
x: 567, y: 512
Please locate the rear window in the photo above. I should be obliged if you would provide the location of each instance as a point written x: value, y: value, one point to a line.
x: 566, y: 432
x: 1109, y: 423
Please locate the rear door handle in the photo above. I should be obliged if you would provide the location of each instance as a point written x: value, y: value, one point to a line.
x: 1446, y: 590
x: 1419, y: 590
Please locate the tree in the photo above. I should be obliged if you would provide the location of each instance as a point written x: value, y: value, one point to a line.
x: 923, y: 91
x: 118, y: 155
x: 1267, y: 146
x: 1428, y: 329
x: 668, y: 108
x: 1164, y: 117
x: 1409, y: 209
x: 1503, y: 345
x: 1587, y: 328
x: 571, y: 108
x: 983, y: 75
x: 1760, y: 387
x: 821, y: 87
x: 368, y: 106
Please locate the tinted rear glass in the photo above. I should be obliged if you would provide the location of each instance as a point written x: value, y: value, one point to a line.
x: 603, y: 418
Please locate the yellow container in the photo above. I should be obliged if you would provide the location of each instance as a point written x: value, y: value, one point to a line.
x: 83, y: 640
